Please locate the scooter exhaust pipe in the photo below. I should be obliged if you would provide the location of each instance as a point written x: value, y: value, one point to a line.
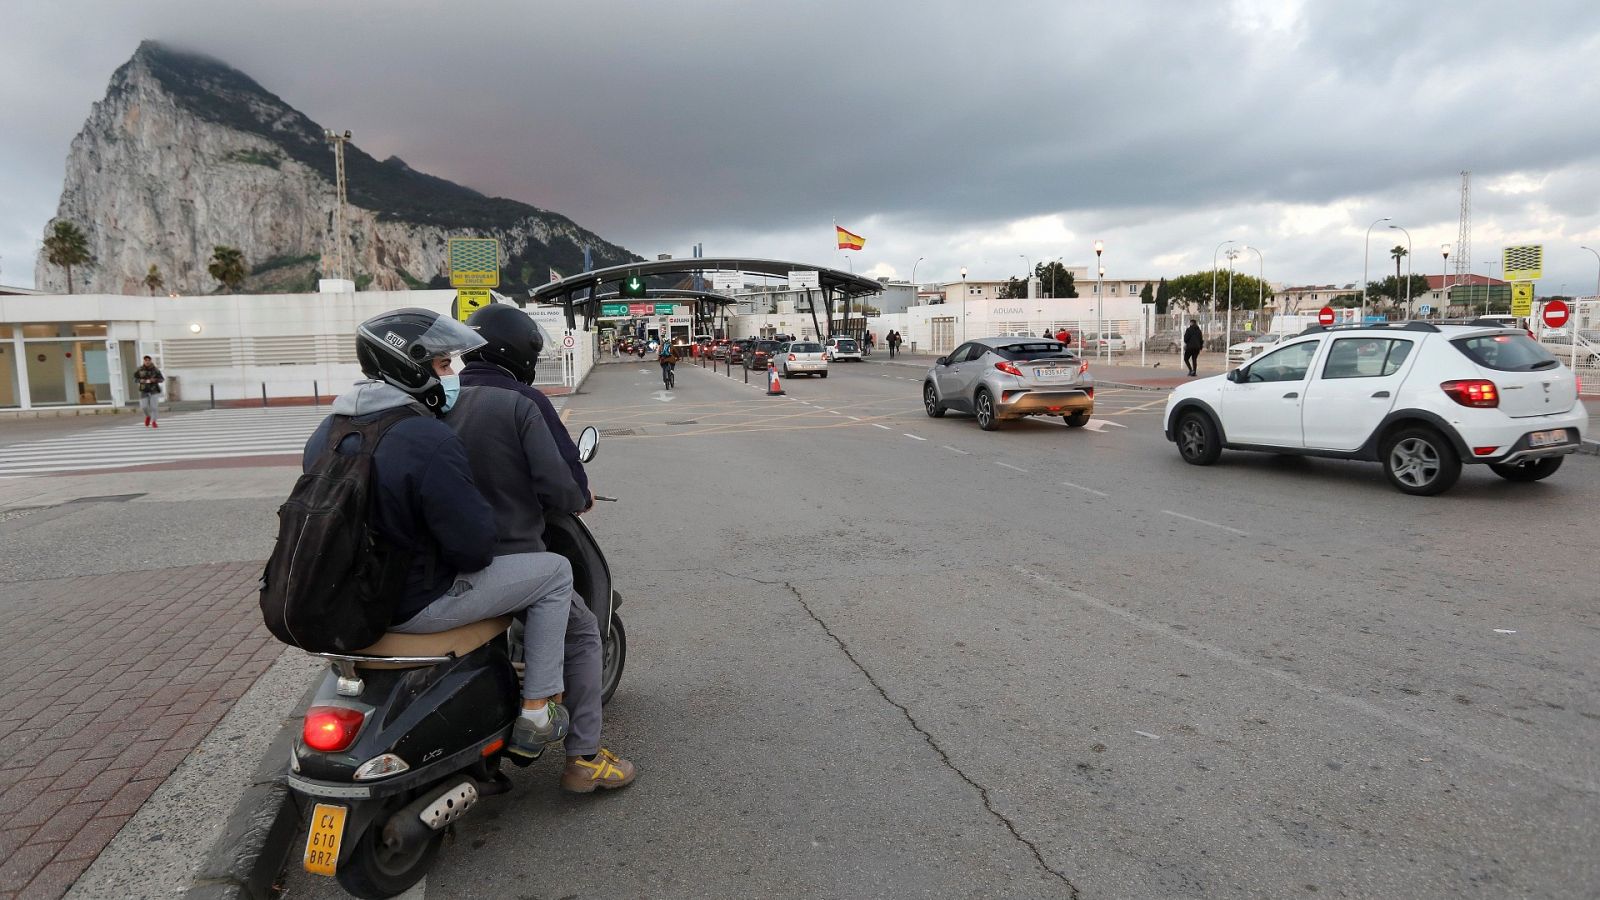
x: 434, y: 811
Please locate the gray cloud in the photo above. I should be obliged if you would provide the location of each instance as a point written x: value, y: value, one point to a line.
x: 1160, y: 127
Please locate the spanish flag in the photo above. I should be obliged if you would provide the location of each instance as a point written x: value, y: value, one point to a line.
x: 848, y: 241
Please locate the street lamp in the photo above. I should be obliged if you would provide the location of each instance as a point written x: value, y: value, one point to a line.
x: 1227, y: 328
x: 1261, y: 277
x: 1365, y: 254
x: 1408, y: 270
x: 1488, y: 289
x: 914, y: 270
x: 963, y: 304
x: 1444, y: 279
x: 1214, y: 275
x: 1100, y: 295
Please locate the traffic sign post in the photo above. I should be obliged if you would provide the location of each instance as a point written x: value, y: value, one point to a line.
x: 1524, y: 263
x: 1556, y: 313
x: 633, y: 286
x: 474, y: 262
x: 1522, y: 299
x: 470, y: 300
x: 1325, y: 316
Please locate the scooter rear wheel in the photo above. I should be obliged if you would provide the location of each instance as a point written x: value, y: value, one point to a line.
x: 374, y: 871
x: 614, y: 656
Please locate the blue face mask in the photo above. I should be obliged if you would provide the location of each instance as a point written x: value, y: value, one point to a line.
x: 452, y: 390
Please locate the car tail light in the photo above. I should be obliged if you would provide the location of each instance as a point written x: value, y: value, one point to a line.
x: 791, y: 357
x: 331, y: 728
x: 1008, y: 368
x: 1483, y: 451
x: 1090, y: 392
x: 1476, y: 392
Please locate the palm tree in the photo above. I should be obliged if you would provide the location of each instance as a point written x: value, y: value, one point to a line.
x: 227, y: 266
x: 154, y: 281
x: 1398, y: 253
x: 67, y: 247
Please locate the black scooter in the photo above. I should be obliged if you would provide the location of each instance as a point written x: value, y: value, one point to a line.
x: 403, y: 739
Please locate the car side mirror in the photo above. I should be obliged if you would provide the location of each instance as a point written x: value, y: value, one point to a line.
x: 943, y: 360
x: 588, y: 443
x: 1235, y: 375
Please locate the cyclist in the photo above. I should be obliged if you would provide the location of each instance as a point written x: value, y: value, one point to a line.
x: 669, y: 363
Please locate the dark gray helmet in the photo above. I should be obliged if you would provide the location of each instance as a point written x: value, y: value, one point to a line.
x: 399, y: 347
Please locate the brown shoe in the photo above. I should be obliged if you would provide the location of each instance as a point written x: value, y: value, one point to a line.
x: 606, y: 771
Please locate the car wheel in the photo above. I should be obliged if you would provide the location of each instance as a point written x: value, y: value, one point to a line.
x: 1077, y: 420
x: 930, y: 401
x: 1419, y: 461
x: 983, y: 405
x: 1198, y: 441
x: 1533, y: 470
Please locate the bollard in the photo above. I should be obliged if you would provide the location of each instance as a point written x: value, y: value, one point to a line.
x: 316, y: 394
x: 263, y: 393
x: 746, y: 374
x: 213, y: 396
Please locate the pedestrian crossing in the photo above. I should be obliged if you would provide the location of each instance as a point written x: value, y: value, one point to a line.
x: 210, y: 434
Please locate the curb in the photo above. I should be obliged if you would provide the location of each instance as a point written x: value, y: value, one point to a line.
x: 253, y: 845
x: 1589, y: 448
x: 1129, y: 386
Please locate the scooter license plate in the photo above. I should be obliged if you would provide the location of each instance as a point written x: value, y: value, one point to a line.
x: 322, y: 844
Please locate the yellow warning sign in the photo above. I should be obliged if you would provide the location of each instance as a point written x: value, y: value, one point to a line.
x: 1522, y: 298
x: 1524, y: 263
x: 474, y: 262
x: 470, y: 300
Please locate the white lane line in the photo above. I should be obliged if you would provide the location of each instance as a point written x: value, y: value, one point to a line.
x: 1153, y: 737
x: 1011, y: 467
x: 1113, y: 424
x: 914, y: 437
x: 855, y: 418
x: 955, y: 450
x: 1084, y: 489
x: 1204, y: 522
x: 834, y: 411
x: 884, y: 427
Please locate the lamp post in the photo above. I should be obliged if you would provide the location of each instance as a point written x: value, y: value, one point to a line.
x: 1261, y: 276
x: 1214, y: 275
x: 914, y: 271
x: 963, y: 304
x: 1444, y: 280
x: 1227, y: 329
x: 1488, y: 289
x: 1100, y: 295
x: 1408, y: 270
x: 1366, y: 253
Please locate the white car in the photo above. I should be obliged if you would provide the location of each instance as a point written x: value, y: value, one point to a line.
x: 1559, y: 343
x: 801, y: 358
x: 1419, y: 398
x: 838, y: 348
x: 1255, y: 346
x: 1113, y: 343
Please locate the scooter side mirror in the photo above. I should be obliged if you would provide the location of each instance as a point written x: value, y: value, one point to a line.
x: 588, y: 442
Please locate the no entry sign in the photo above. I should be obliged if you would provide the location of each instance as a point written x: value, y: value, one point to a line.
x: 1325, y: 316
x: 1556, y: 313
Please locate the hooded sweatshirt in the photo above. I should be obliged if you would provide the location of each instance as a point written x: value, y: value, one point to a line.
x: 424, y: 499
x: 478, y: 373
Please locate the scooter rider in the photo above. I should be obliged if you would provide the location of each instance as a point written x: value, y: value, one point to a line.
x: 517, y: 444
x: 426, y: 503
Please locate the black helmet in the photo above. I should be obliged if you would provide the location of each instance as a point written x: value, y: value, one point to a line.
x: 399, y: 347
x: 511, y: 340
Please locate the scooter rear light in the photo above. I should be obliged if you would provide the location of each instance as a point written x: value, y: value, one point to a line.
x: 1476, y: 392
x: 380, y: 767
x: 1008, y: 368
x: 331, y: 728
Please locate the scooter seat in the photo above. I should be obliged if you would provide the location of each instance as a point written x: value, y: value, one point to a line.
x: 459, y: 641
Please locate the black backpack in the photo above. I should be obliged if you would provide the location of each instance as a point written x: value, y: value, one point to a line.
x: 331, y: 582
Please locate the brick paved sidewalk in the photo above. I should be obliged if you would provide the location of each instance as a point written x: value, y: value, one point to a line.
x: 106, y: 683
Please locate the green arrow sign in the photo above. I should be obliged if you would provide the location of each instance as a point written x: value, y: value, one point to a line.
x: 633, y: 286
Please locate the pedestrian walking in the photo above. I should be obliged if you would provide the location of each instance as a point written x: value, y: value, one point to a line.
x: 1045, y: 334
x: 894, y: 343
x: 1193, y: 340
x: 149, y: 378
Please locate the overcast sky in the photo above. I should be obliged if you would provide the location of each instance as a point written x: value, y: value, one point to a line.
x: 972, y: 134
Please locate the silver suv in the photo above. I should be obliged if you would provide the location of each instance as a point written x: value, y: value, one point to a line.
x: 1000, y: 378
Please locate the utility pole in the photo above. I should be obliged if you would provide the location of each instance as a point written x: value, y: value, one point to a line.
x: 338, y: 141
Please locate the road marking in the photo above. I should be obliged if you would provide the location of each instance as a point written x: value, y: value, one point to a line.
x: 914, y: 437
x: 564, y: 414
x: 1204, y: 522
x: 1116, y: 424
x: 955, y: 450
x: 1153, y: 737
x: 1084, y: 489
x: 1100, y: 425
x: 1365, y: 707
x: 856, y: 418
x: 1011, y: 467
x: 884, y: 427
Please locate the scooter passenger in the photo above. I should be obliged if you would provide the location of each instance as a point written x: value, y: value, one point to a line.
x: 518, y: 449
x: 426, y: 504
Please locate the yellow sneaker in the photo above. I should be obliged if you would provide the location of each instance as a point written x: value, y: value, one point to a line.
x: 582, y: 776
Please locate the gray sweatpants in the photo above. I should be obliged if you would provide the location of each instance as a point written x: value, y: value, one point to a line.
x: 539, y: 586
x: 150, y: 405
x: 583, y: 680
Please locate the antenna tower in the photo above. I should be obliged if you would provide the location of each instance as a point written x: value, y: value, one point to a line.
x: 1464, y: 236
x: 338, y: 141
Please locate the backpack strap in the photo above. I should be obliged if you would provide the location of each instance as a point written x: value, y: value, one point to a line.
x: 372, y: 430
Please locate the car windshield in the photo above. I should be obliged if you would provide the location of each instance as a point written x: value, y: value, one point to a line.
x: 805, y: 348
x: 1032, y: 350
x: 1506, y: 352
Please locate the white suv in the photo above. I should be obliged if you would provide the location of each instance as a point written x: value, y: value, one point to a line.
x: 1419, y: 398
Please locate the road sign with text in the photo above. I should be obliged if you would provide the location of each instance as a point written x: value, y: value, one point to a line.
x: 470, y: 300
x: 803, y: 278
x: 1522, y: 298
x: 474, y: 262
x: 612, y: 310
x: 1524, y: 263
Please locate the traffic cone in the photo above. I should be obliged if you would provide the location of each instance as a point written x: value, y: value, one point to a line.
x: 774, y: 389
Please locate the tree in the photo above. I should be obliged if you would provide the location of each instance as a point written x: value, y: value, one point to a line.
x: 154, y: 281
x: 227, y: 266
x: 1146, y: 295
x: 1013, y: 289
x: 1163, y: 298
x: 1193, y: 291
x: 67, y: 247
x: 1054, y: 280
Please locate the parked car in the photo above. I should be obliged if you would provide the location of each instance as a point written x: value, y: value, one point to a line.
x: 837, y: 348
x: 1000, y: 378
x: 1254, y: 346
x: 1112, y: 342
x: 802, y: 358
x: 1168, y: 341
x: 760, y: 355
x: 1418, y: 398
x: 1559, y: 343
x: 738, y: 348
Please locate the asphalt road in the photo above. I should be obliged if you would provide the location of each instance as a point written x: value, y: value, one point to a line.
x: 877, y: 654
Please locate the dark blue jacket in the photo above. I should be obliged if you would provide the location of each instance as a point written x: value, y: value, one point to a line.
x: 488, y: 375
x: 424, y: 499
